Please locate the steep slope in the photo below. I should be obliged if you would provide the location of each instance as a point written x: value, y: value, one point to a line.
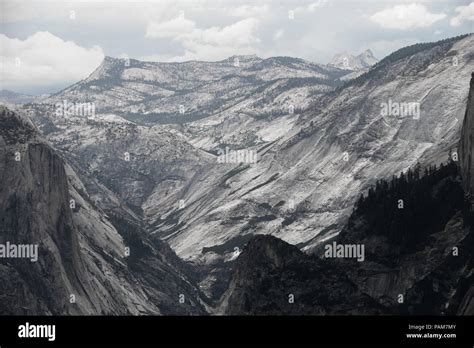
x: 251, y: 107
x: 417, y: 259
x: 152, y: 92
x: 311, y: 164
x: 245, y: 102
x: 466, y: 149
x: 80, y: 249
x: 466, y: 145
x: 304, y: 185
x: 272, y: 277
x: 422, y: 251
x: 417, y: 234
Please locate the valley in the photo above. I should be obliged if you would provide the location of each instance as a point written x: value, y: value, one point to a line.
x: 222, y: 178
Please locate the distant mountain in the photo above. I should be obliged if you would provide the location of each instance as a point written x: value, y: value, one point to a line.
x: 208, y: 101
x: 312, y: 163
x: 355, y: 63
x: 11, y: 97
x: 149, y: 92
x: 305, y: 183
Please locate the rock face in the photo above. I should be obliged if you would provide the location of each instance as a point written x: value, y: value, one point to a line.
x: 209, y: 102
x: 466, y: 149
x: 305, y: 183
x: 136, y: 175
x: 348, y: 61
x: 88, y: 262
x: 418, y: 257
x: 466, y: 145
x: 311, y: 166
x: 413, y: 262
x: 272, y: 277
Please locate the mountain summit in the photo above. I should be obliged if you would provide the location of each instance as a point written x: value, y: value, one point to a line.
x: 348, y: 61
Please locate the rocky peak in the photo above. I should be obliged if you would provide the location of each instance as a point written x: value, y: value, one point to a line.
x: 109, y: 67
x: 266, y: 249
x: 348, y: 61
x: 272, y: 277
x: 367, y: 57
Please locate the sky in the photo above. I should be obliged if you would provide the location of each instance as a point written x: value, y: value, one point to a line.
x: 48, y: 45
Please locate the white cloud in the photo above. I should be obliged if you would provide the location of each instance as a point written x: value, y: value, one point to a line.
x: 43, y: 59
x: 465, y: 13
x: 246, y: 11
x: 212, y: 43
x: 406, y: 17
x: 312, y: 7
x: 104, y: 12
x: 315, y: 5
x: 170, y: 29
x: 278, y: 34
x: 236, y: 34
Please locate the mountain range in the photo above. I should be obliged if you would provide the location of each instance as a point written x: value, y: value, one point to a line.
x: 144, y: 169
x: 10, y: 97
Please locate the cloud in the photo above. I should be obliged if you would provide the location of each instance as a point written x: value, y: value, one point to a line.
x: 170, y: 29
x: 104, y: 12
x: 312, y: 7
x: 246, y: 11
x: 405, y: 17
x: 238, y: 34
x: 465, y: 13
x: 212, y: 43
x: 278, y: 34
x: 44, y: 59
x: 318, y: 4
x: 214, y: 30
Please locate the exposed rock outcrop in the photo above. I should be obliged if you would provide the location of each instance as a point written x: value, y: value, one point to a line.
x: 466, y: 145
x: 272, y: 277
x: 426, y: 271
x: 418, y: 257
x: 311, y: 166
x: 87, y: 262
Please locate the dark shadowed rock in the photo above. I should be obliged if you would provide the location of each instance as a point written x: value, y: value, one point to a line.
x: 83, y: 266
x: 272, y: 277
x: 466, y: 144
